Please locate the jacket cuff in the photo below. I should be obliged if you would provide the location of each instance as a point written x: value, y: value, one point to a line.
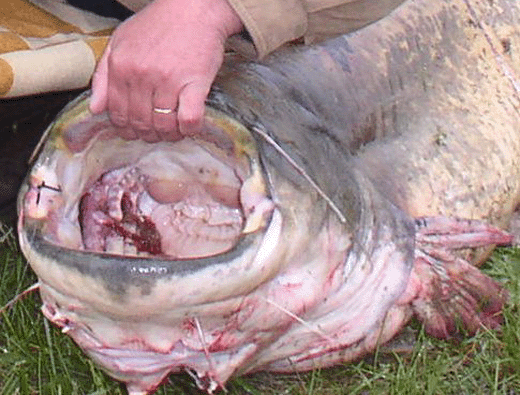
x: 271, y: 23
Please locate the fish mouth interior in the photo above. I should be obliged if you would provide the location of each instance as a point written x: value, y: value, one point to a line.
x: 188, y: 199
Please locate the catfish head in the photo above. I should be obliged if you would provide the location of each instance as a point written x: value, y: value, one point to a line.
x: 223, y: 253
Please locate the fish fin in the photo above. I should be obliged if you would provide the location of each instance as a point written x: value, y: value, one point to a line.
x: 453, y: 296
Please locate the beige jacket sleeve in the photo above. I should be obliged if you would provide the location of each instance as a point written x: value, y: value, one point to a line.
x: 272, y: 23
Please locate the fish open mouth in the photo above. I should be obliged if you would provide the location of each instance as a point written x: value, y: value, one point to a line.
x: 192, y: 198
x: 129, y: 210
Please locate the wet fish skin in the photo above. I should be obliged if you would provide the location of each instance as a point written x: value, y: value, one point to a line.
x: 388, y: 121
x: 423, y: 86
x: 429, y: 102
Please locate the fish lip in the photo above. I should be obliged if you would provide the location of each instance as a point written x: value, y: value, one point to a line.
x: 105, y: 265
x: 109, y: 284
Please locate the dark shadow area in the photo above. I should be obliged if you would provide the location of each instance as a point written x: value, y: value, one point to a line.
x: 109, y: 8
x: 22, y: 122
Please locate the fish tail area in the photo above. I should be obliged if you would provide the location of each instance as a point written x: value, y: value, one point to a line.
x: 451, y: 295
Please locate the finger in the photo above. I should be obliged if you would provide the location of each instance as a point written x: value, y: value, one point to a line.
x: 191, y: 108
x: 164, y: 114
x: 118, y: 93
x: 140, y: 108
x: 99, y: 98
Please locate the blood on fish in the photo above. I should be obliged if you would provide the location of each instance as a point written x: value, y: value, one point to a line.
x: 146, y: 238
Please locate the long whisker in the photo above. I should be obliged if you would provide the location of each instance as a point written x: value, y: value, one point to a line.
x: 300, y: 170
x: 309, y: 326
x: 202, y: 339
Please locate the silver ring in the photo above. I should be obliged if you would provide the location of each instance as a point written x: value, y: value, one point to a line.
x: 162, y: 110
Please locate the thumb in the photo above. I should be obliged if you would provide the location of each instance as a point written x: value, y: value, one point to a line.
x: 99, y: 98
x: 191, y: 108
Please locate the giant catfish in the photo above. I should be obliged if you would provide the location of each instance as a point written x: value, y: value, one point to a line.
x: 336, y: 191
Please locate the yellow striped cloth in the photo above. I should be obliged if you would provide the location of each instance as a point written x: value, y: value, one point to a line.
x: 48, y: 45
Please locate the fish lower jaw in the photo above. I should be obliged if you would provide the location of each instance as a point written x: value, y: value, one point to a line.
x: 142, y: 354
x: 144, y: 370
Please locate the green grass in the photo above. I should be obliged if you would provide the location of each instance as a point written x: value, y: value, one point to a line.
x: 35, y: 358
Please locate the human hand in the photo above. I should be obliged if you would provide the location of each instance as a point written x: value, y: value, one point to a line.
x: 165, y: 57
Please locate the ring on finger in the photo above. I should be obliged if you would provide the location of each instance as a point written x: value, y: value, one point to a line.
x: 159, y: 110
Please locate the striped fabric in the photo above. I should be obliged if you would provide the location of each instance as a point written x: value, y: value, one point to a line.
x: 48, y: 45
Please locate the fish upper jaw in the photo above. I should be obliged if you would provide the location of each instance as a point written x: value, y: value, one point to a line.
x: 185, y: 200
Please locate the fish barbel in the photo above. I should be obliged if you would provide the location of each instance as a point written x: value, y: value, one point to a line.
x: 336, y: 191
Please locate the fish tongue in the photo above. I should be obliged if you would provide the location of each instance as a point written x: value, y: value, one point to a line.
x: 449, y: 294
x: 192, y: 230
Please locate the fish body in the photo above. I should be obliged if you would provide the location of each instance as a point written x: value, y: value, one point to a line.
x: 323, y: 205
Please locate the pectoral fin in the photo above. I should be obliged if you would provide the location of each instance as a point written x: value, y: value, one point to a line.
x: 452, y: 295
